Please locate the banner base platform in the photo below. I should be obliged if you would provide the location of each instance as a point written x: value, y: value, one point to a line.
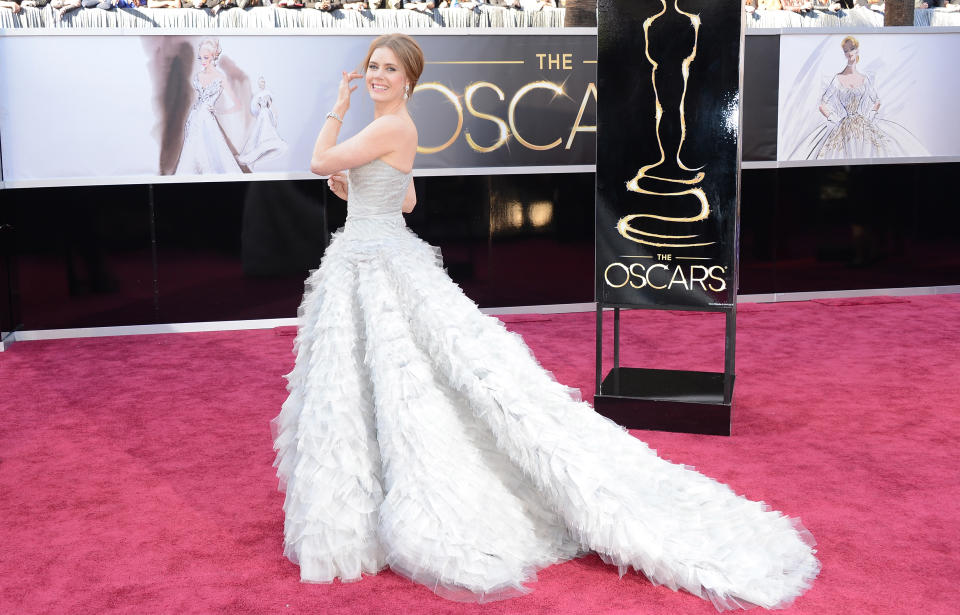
x: 667, y: 400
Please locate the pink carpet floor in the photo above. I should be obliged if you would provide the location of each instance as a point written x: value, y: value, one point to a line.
x: 135, y: 472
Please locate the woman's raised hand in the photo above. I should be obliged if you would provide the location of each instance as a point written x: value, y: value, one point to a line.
x: 338, y: 185
x: 344, y: 91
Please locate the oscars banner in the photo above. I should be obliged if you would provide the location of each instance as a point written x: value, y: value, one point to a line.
x: 218, y: 106
x: 667, y: 153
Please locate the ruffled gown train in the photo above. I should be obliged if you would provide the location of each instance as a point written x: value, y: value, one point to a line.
x: 422, y: 435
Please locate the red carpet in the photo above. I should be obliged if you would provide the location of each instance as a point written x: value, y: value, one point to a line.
x: 136, y: 475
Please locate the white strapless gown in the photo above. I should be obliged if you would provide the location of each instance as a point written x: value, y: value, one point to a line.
x: 205, y: 147
x: 422, y: 435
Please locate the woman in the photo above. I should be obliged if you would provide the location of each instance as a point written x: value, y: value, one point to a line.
x: 421, y: 435
x: 264, y: 143
x: 853, y: 128
x: 205, y: 146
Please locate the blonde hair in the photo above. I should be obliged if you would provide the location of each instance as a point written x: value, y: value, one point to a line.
x: 407, y: 50
x: 849, y: 40
x: 214, y: 46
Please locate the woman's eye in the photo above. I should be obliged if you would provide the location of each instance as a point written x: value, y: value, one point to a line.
x: 391, y: 69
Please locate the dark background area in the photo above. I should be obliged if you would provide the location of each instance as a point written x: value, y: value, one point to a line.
x: 114, y: 255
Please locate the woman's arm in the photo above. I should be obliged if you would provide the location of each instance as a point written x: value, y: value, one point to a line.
x: 381, y: 136
x: 410, y: 200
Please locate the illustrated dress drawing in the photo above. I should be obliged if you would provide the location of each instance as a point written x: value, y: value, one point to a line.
x: 264, y: 142
x: 854, y: 129
x: 422, y: 435
x: 205, y: 146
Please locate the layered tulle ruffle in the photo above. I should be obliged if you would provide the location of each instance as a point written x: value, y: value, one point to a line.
x: 422, y: 435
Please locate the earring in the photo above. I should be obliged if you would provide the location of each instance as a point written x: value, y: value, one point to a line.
x: 406, y: 91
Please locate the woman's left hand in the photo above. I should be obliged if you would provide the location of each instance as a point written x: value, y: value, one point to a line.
x: 338, y: 185
x: 344, y: 92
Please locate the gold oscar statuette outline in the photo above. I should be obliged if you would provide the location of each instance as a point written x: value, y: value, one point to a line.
x: 624, y: 227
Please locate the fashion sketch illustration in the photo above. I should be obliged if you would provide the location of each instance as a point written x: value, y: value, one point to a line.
x: 853, y: 124
x: 206, y: 148
x: 263, y: 142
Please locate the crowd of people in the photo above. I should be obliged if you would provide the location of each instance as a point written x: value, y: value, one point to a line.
x: 64, y: 6
x: 802, y: 6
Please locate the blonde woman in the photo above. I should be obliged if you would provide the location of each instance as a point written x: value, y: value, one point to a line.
x: 206, y: 148
x: 421, y: 435
x: 853, y: 127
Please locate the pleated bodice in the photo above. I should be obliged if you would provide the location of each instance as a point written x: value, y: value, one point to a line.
x: 375, y: 195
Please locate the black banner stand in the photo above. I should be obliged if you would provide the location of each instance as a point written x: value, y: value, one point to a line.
x: 662, y: 399
x: 667, y: 205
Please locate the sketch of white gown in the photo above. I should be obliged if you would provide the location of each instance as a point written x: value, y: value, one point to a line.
x: 205, y: 146
x: 854, y: 129
x: 264, y: 142
x: 422, y: 435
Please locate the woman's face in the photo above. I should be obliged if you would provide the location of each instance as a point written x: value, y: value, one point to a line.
x: 384, y: 76
x: 207, y: 58
x: 851, y: 52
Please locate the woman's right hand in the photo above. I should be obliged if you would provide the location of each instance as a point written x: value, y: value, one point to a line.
x: 344, y: 92
x: 338, y: 185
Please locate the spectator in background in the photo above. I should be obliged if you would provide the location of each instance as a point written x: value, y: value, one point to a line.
x: 421, y: 6
x: 537, y: 5
x: 162, y: 4
x: 103, y: 5
x: 332, y: 5
x: 10, y: 4
x: 62, y: 7
x: 507, y: 4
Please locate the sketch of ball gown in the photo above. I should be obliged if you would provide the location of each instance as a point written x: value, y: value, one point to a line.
x: 205, y: 146
x: 855, y: 129
x: 264, y: 142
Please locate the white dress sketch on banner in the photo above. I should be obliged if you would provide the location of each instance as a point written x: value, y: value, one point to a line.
x: 264, y: 142
x: 853, y: 126
x: 206, y: 148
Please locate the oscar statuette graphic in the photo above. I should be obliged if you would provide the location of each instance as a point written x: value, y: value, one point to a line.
x: 667, y: 198
x: 669, y: 177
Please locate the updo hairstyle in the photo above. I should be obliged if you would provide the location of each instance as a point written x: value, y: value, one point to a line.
x: 853, y: 42
x: 408, y: 53
x: 213, y: 45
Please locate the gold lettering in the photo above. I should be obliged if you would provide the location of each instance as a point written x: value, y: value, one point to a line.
x: 723, y: 283
x: 568, y: 61
x: 541, y: 56
x: 606, y: 275
x: 643, y: 279
x: 504, y: 131
x: 650, y: 270
x: 448, y: 93
x: 678, y: 272
x: 591, y: 90
x: 546, y: 85
x: 694, y: 278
